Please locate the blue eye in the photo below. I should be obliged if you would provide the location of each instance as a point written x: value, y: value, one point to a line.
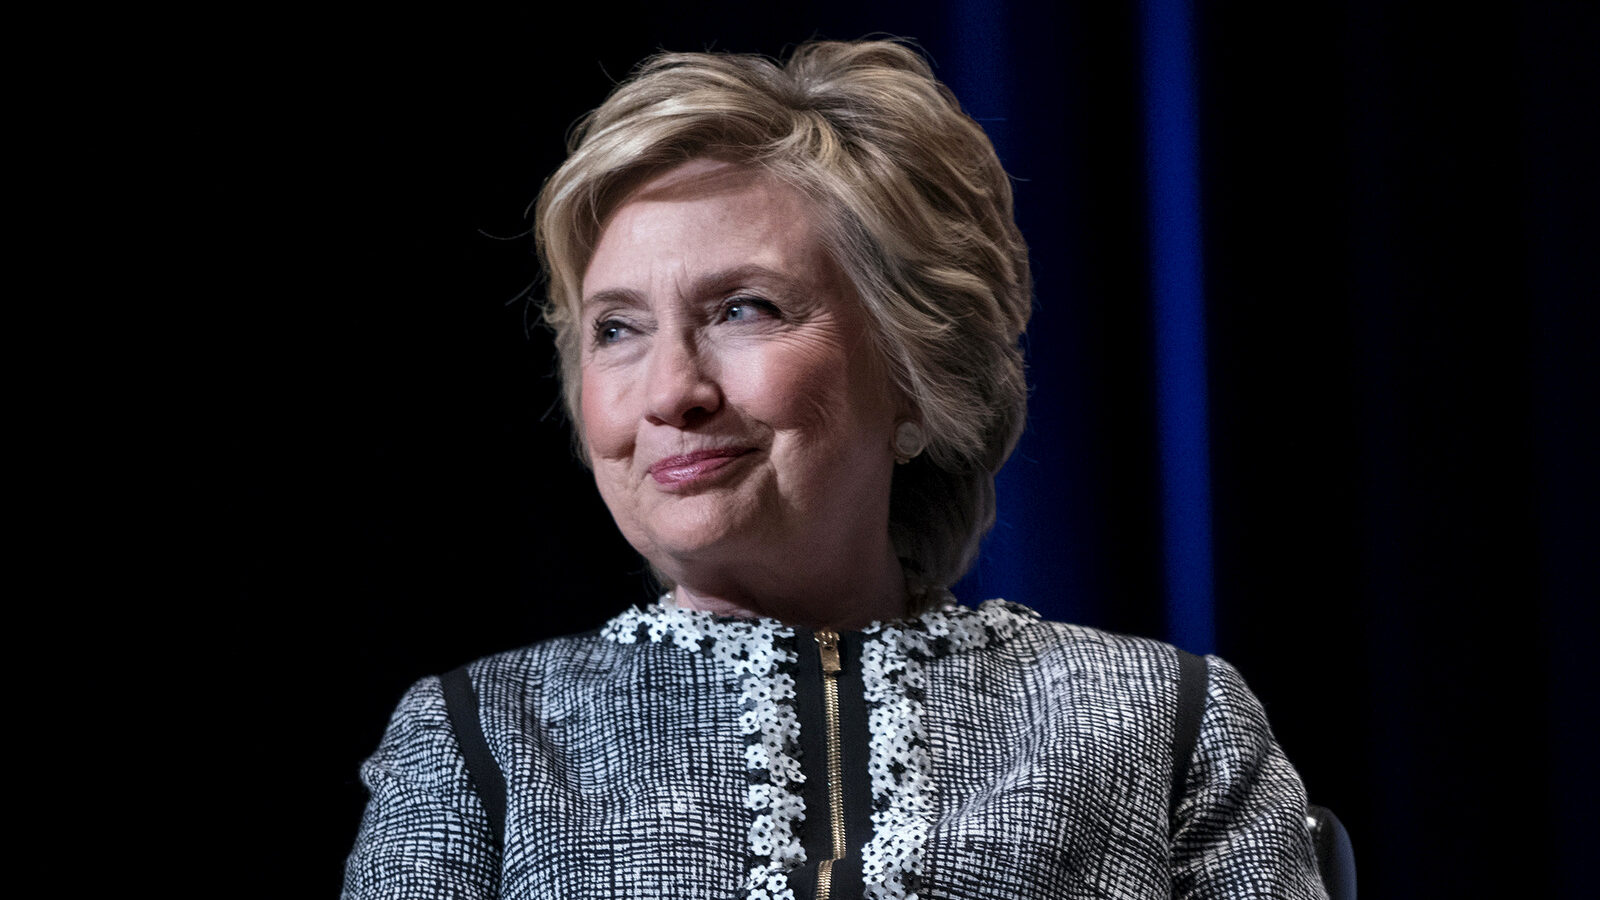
x: 743, y: 309
x: 609, y: 331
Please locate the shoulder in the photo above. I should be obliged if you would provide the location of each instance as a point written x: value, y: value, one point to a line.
x: 542, y: 659
x: 1086, y: 659
x: 517, y: 678
x: 421, y: 735
x: 420, y: 801
x: 1081, y: 650
x: 654, y: 650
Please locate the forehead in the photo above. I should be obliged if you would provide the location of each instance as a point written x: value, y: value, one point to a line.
x: 705, y: 213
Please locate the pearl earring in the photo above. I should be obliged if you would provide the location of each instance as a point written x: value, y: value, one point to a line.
x: 908, y: 441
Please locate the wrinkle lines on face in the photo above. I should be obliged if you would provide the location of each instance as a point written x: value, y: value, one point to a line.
x: 748, y: 374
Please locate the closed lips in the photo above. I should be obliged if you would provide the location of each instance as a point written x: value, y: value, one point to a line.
x: 690, y: 465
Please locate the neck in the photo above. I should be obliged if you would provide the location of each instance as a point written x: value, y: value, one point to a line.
x: 819, y: 599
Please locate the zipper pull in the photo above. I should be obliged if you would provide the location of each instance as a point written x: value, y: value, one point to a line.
x: 828, y: 647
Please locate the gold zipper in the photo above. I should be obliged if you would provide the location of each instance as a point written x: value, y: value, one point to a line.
x: 828, y: 649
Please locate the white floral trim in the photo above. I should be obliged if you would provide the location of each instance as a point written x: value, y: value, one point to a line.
x: 952, y: 628
x: 751, y: 649
x: 894, y: 680
x: 903, y: 791
x: 904, y: 794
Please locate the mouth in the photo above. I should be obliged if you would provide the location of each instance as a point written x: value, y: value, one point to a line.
x: 690, y: 468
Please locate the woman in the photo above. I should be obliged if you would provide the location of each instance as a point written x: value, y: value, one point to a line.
x: 787, y: 301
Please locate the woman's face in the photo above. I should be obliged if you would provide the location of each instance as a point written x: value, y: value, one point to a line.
x: 735, y: 412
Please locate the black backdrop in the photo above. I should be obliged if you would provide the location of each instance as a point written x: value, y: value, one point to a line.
x: 1398, y: 242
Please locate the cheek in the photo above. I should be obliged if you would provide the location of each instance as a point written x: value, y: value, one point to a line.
x: 786, y: 386
x: 610, y: 448
x: 601, y: 422
x: 816, y: 390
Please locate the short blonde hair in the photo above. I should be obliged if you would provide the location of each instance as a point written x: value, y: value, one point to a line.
x: 911, y: 201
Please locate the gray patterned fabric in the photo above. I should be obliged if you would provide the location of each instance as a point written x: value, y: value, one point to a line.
x: 1009, y: 758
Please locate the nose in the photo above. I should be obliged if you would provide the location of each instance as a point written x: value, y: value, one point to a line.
x: 682, y: 388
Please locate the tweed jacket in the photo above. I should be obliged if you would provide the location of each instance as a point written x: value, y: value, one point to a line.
x: 971, y: 753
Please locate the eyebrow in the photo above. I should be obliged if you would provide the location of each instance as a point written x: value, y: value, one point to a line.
x: 622, y: 296
x: 717, y: 282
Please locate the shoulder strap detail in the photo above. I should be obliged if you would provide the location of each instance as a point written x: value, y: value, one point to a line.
x: 1186, y: 728
x: 461, y: 702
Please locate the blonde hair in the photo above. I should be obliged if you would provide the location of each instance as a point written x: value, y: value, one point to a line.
x: 911, y: 201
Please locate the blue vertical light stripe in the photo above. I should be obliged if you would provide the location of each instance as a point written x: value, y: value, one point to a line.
x: 976, y: 65
x: 1172, y: 142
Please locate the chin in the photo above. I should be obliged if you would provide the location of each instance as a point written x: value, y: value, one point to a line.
x: 691, y: 544
x: 672, y: 544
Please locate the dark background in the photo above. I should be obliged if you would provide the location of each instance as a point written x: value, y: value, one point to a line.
x: 1399, y: 252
